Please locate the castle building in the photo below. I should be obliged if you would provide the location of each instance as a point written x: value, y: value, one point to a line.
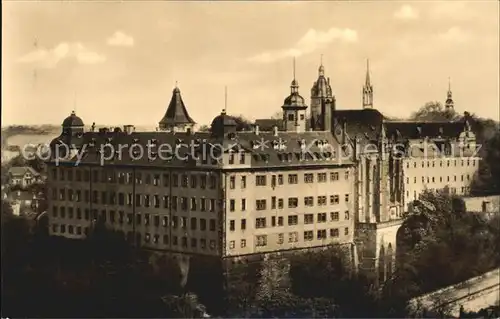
x: 226, y: 193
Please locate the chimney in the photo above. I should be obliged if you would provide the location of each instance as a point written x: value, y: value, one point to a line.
x: 275, y: 130
x: 128, y: 128
x: 256, y: 130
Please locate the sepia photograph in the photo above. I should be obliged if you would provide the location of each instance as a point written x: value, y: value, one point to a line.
x: 250, y: 159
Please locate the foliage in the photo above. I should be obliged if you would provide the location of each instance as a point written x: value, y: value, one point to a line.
x: 442, y: 245
x: 434, y: 112
x: 242, y: 124
x: 204, y: 128
x: 98, y: 277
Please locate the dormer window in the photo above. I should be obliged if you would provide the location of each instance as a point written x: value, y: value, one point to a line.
x: 135, y: 140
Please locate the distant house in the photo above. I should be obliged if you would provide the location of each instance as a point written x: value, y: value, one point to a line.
x: 488, y: 205
x: 23, y: 176
x: 23, y: 202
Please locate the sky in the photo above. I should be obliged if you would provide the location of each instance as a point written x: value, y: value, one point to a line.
x: 117, y: 63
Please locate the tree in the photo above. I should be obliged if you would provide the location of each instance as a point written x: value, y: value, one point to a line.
x: 242, y: 124
x: 204, y: 128
x: 434, y: 112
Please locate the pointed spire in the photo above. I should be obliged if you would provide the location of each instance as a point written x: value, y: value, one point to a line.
x: 367, y: 88
x: 367, y: 81
x: 449, y: 104
x: 321, y: 69
x: 294, y: 87
x: 176, y: 113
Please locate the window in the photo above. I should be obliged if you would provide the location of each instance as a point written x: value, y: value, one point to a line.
x: 293, y: 179
x: 243, y: 181
x: 232, y: 182
x: 231, y: 225
x: 308, y: 178
x: 262, y: 240
x: 281, y: 239
x: 346, y: 231
x: 243, y: 224
x: 321, y: 234
x: 321, y: 200
x: 231, y: 244
x: 280, y: 203
x: 280, y: 179
x: 231, y: 158
x: 273, y: 202
x: 334, y: 199
x: 321, y: 217
x: 293, y: 237
x: 334, y: 216
x: 293, y: 202
x: 334, y: 176
x: 347, y: 198
x: 212, y: 224
x: 193, y: 223
x: 243, y: 204
x: 293, y: 220
x: 321, y: 177
x: 260, y: 222
x: 232, y: 205
x: 308, y: 235
x: 309, y: 201
x: 280, y: 221
x: 260, y: 180
x: 308, y: 218
x: 260, y: 204
x: 346, y: 215
x: 243, y: 243
x: 334, y: 232
x: 242, y: 158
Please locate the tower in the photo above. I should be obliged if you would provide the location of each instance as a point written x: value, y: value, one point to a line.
x: 294, y: 108
x: 322, y: 102
x: 176, y: 118
x: 367, y: 89
x: 449, y: 104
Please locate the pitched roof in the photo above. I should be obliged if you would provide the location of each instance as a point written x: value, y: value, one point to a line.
x: 21, y: 171
x: 176, y: 112
x: 364, y: 124
x: 265, y: 148
x: 416, y: 130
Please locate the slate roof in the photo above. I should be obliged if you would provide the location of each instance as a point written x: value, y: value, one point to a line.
x: 264, y: 147
x: 176, y: 112
x: 21, y: 171
x: 416, y: 130
x: 364, y: 124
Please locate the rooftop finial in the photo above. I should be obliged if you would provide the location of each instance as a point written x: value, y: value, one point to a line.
x: 321, y: 69
x: 449, y: 84
x: 294, y: 68
x: 74, y: 102
x: 176, y: 84
x: 225, y: 98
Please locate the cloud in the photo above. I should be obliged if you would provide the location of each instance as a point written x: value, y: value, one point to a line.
x: 406, y: 12
x: 310, y: 42
x: 455, y: 34
x: 121, y: 39
x: 49, y: 58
